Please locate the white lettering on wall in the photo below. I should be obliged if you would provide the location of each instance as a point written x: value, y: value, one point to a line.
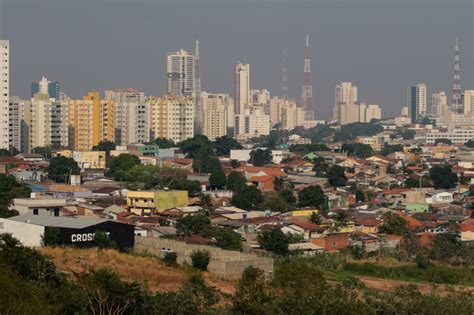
x: 84, y: 237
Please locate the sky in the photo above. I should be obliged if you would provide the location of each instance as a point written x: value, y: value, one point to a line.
x: 382, y: 46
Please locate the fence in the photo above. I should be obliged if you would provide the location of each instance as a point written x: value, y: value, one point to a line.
x: 225, y: 264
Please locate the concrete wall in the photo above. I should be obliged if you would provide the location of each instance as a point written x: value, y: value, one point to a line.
x: 29, y: 235
x: 225, y: 264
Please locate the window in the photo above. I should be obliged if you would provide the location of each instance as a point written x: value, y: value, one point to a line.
x: 56, y: 212
x: 35, y: 211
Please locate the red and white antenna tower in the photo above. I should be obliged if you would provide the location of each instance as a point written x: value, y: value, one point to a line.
x: 197, y: 88
x: 456, y: 100
x: 284, y: 78
x: 307, y: 93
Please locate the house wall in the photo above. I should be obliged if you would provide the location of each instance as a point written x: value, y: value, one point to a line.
x: 28, y: 234
x: 224, y: 264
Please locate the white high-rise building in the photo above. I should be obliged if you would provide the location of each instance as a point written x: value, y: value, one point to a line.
x: 216, y: 108
x: 371, y: 112
x: 439, y: 101
x: 181, y: 78
x: 421, y: 99
x: 468, y: 102
x: 4, y: 93
x: 252, y: 124
x: 346, y: 92
x: 345, y: 109
x: 131, y: 116
x: 172, y: 117
x: 260, y: 97
x: 15, y: 117
x: 242, y: 88
x: 45, y: 122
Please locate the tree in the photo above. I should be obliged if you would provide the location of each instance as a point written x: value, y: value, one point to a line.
x: 120, y: 165
x: 102, y: 240
x: 234, y: 163
x: 359, y: 150
x: 106, y: 146
x: 274, y: 240
x: 275, y: 204
x: 389, y: 149
x: 415, y: 182
x: 351, y: 131
x: 60, y: 168
x: 217, y: 179
x: 164, y: 143
x: 470, y: 143
x: 192, y: 224
x: 320, y: 169
x: 5, y: 152
x: 247, y: 198
x: 288, y: 196
x: 51, y: 236
x: 360, y: 196
x: 236, y: 181
x: 200, y: 259
x: 443, y: 141
x: 408, y: 134
x: 205, y: 161
x: 46, y: 152
x: 312, y: 196
x: 260, y: 157
x: 443, y: 177
x: 170, y: 258
x: 228, y: 239
x: 448, y: 247
x: 315, y: 218
x: 336, y: 176
x: 393, y: 224
x: 194, y: 145
x: 224, y: 144
x: 9, y: 190
x: 279, y: 184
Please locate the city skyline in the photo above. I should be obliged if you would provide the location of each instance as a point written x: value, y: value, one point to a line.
x: 372, y: 60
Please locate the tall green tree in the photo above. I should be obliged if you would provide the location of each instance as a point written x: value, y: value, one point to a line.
x: 443, y: 177
x: 248, y: 198
x: 164, y: 143
x: 195, y: 145
x: 312, y: 196
x: 393, y: 224
x: 359, y: 150
x: 10, y: 189
x: 275, y: 204
x: 260, y: 157
x: 120, y: 165
x: 288, y: 196
x: 217, y: 179
x: 236, y: 181
x: 224, y: 144
x: 205, y: 161
x: 106, y: 146
x: 275, y: 241
x: 336, y: 176
x: 60, y: 168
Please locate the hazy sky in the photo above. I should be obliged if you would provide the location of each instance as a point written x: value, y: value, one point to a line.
x: 383, y: 46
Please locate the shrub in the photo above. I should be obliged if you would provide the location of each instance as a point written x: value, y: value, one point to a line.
x: 200, y: 259
x: 170, y: 258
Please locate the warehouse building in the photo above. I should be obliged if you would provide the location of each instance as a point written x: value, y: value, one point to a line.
x: 29, y: 230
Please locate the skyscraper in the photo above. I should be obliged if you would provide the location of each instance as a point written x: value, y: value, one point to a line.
x: 346, y: 92
x: 307, y: 92
x: 345, y: 109
x: 456, y: 100
x: 84, y: 121
x: 416, y: 101
x: 242, y: 88
x: 215, y: 108
x: 45, y: 86
x: 4, y: 93
x: 197, y: 95
x: 181, y: 78
x: 468, y: 102
x: 438, y: 103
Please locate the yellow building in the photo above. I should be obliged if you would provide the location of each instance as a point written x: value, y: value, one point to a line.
x: 107, y: 120
x: 90, y: 159
x: 150, y: 202
x: 84, y: 121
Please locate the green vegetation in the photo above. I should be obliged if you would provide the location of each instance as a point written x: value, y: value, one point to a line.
x: 275, y: 204
x: 288, y: 196
x: 308, y: 148
x: 170, y: 258
x: 106, y: 146
x: 359, y: 150
x: 236, y: 181
x: 389, y: 149
x: 336, y: 176
x: 247, y: 198
x: 275, y: 241
x: 408, y: 134
x: 217, y: 179
x: 260, y: 157
x: 200, y: 259
x: 224, y: 144
x: 351, y: 131
x: 393, y: 224
x: 312, y: 196
x: 102, y: 240
x: 120, y: 165
x: 443, y: 141
x: 10, y: 189
x: 51, y: 237
x: 164, y: 143
x: 60, y: 168
x: 443, y: 177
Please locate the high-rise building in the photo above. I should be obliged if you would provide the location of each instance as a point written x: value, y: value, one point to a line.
x: 260, y: 97
x: 4, y: 93
x: 468, y: 102
x: 180, y: 69
x: 84, y: 122
x: 285, y: 112
x: 346, y: 92
x: 15, y: 120
x: 457, y: 105
x: 416, y: 101
x: 44, y: 86
x: 242, y: 88
x: 252, y: 124
x: 172, y: 117
x: 131, y: 116
x: 345, y: 109
x: 44, y: 123
x: 215, y: 108
x: 439, y: 101
x: 372, y: 111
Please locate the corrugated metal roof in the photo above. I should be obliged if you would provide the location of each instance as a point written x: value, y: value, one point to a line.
x: 64, y: 222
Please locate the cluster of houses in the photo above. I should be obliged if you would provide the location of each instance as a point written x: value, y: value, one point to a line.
x: 381, y: 179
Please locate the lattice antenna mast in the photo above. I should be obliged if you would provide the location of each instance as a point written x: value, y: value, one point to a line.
x: 197, y: 87
x: 307, y: 93
x: 284, y: 78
